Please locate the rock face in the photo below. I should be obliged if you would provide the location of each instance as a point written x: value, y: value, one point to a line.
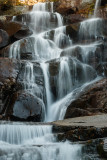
x: 9, y: 70
x: 13, y: 31
x: 4, y: 38
x: 94, y: 101
x: 25, y: 106
x: 76, y: 10
x: 10, y: 27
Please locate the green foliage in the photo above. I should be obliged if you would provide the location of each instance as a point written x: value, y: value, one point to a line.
x: 5, y: 5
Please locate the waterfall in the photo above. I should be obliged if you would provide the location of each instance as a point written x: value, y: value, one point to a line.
x: 20, y: 133
x: 64, y: 79
x: 20, y: 141
x: 60, y: 37
x: 98, y: 2
x: 45, y: 68
x: 91, y: 28
x: 45, y: 45
x: 66, y: 71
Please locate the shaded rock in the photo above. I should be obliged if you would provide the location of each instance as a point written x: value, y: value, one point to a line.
x: 93, y: 101
x: 9, y: 70
x: 36, y: 86
x: 101, y: 151
x: 23, y: 32
x: 102, y: 69
x: 72, y: 31
x: 25, y: 106
x: 10, y: 27
x: 23, y: 48
x: 4, y: 38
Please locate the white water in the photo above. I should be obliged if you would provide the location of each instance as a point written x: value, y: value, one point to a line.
x: 36, y: 142
x: 93, y: 27
x: 60, y: 37
x: 46, y: 44
x: 30, y: 142
x: 64, y: 78
x: 49, y: 100
x: 98, y: 2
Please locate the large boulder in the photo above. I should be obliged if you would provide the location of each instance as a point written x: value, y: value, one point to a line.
x: 25, y: 106
x: 4, y: 38
x: 15, y: 30
x: 72, y: 31
x: 93, y: 101
x: 23, y: 32
x: 10, y: 27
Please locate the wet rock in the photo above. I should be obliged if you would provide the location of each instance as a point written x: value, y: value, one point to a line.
x: 81, y: 133
x: 102, y: 69
x: 25, y: 81
x: 23, y: 32
x: 4, y: 38
x: 93, y: 101
x: 9, y: 70
x: 22, y: 49
x: 25, y: 106
x: 54, y: 67
x: 72, y: 31
x: 101, y: 151
x: 90, y: 54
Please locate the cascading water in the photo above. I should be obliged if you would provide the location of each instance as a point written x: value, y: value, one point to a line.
x: 48, y: 44
x: 25, y: 142
x: 98, y: 2
x: 64, y: 84
x: 93, y: 27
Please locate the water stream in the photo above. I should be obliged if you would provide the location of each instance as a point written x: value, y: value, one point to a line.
x: 50, y: 47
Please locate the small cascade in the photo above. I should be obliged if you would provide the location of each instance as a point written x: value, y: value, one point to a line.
x: 91, y: 29
x: 49, y: 100
x: 45, y: 49
x: 20, y: 133
x: 64, y: 85
x: 84, y: 53
x: 42, y: 19
x: 60, y: 37
x: 98, y: 2
x: 20, y: 141
x: 29, y: 80
x: 58, y: 109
